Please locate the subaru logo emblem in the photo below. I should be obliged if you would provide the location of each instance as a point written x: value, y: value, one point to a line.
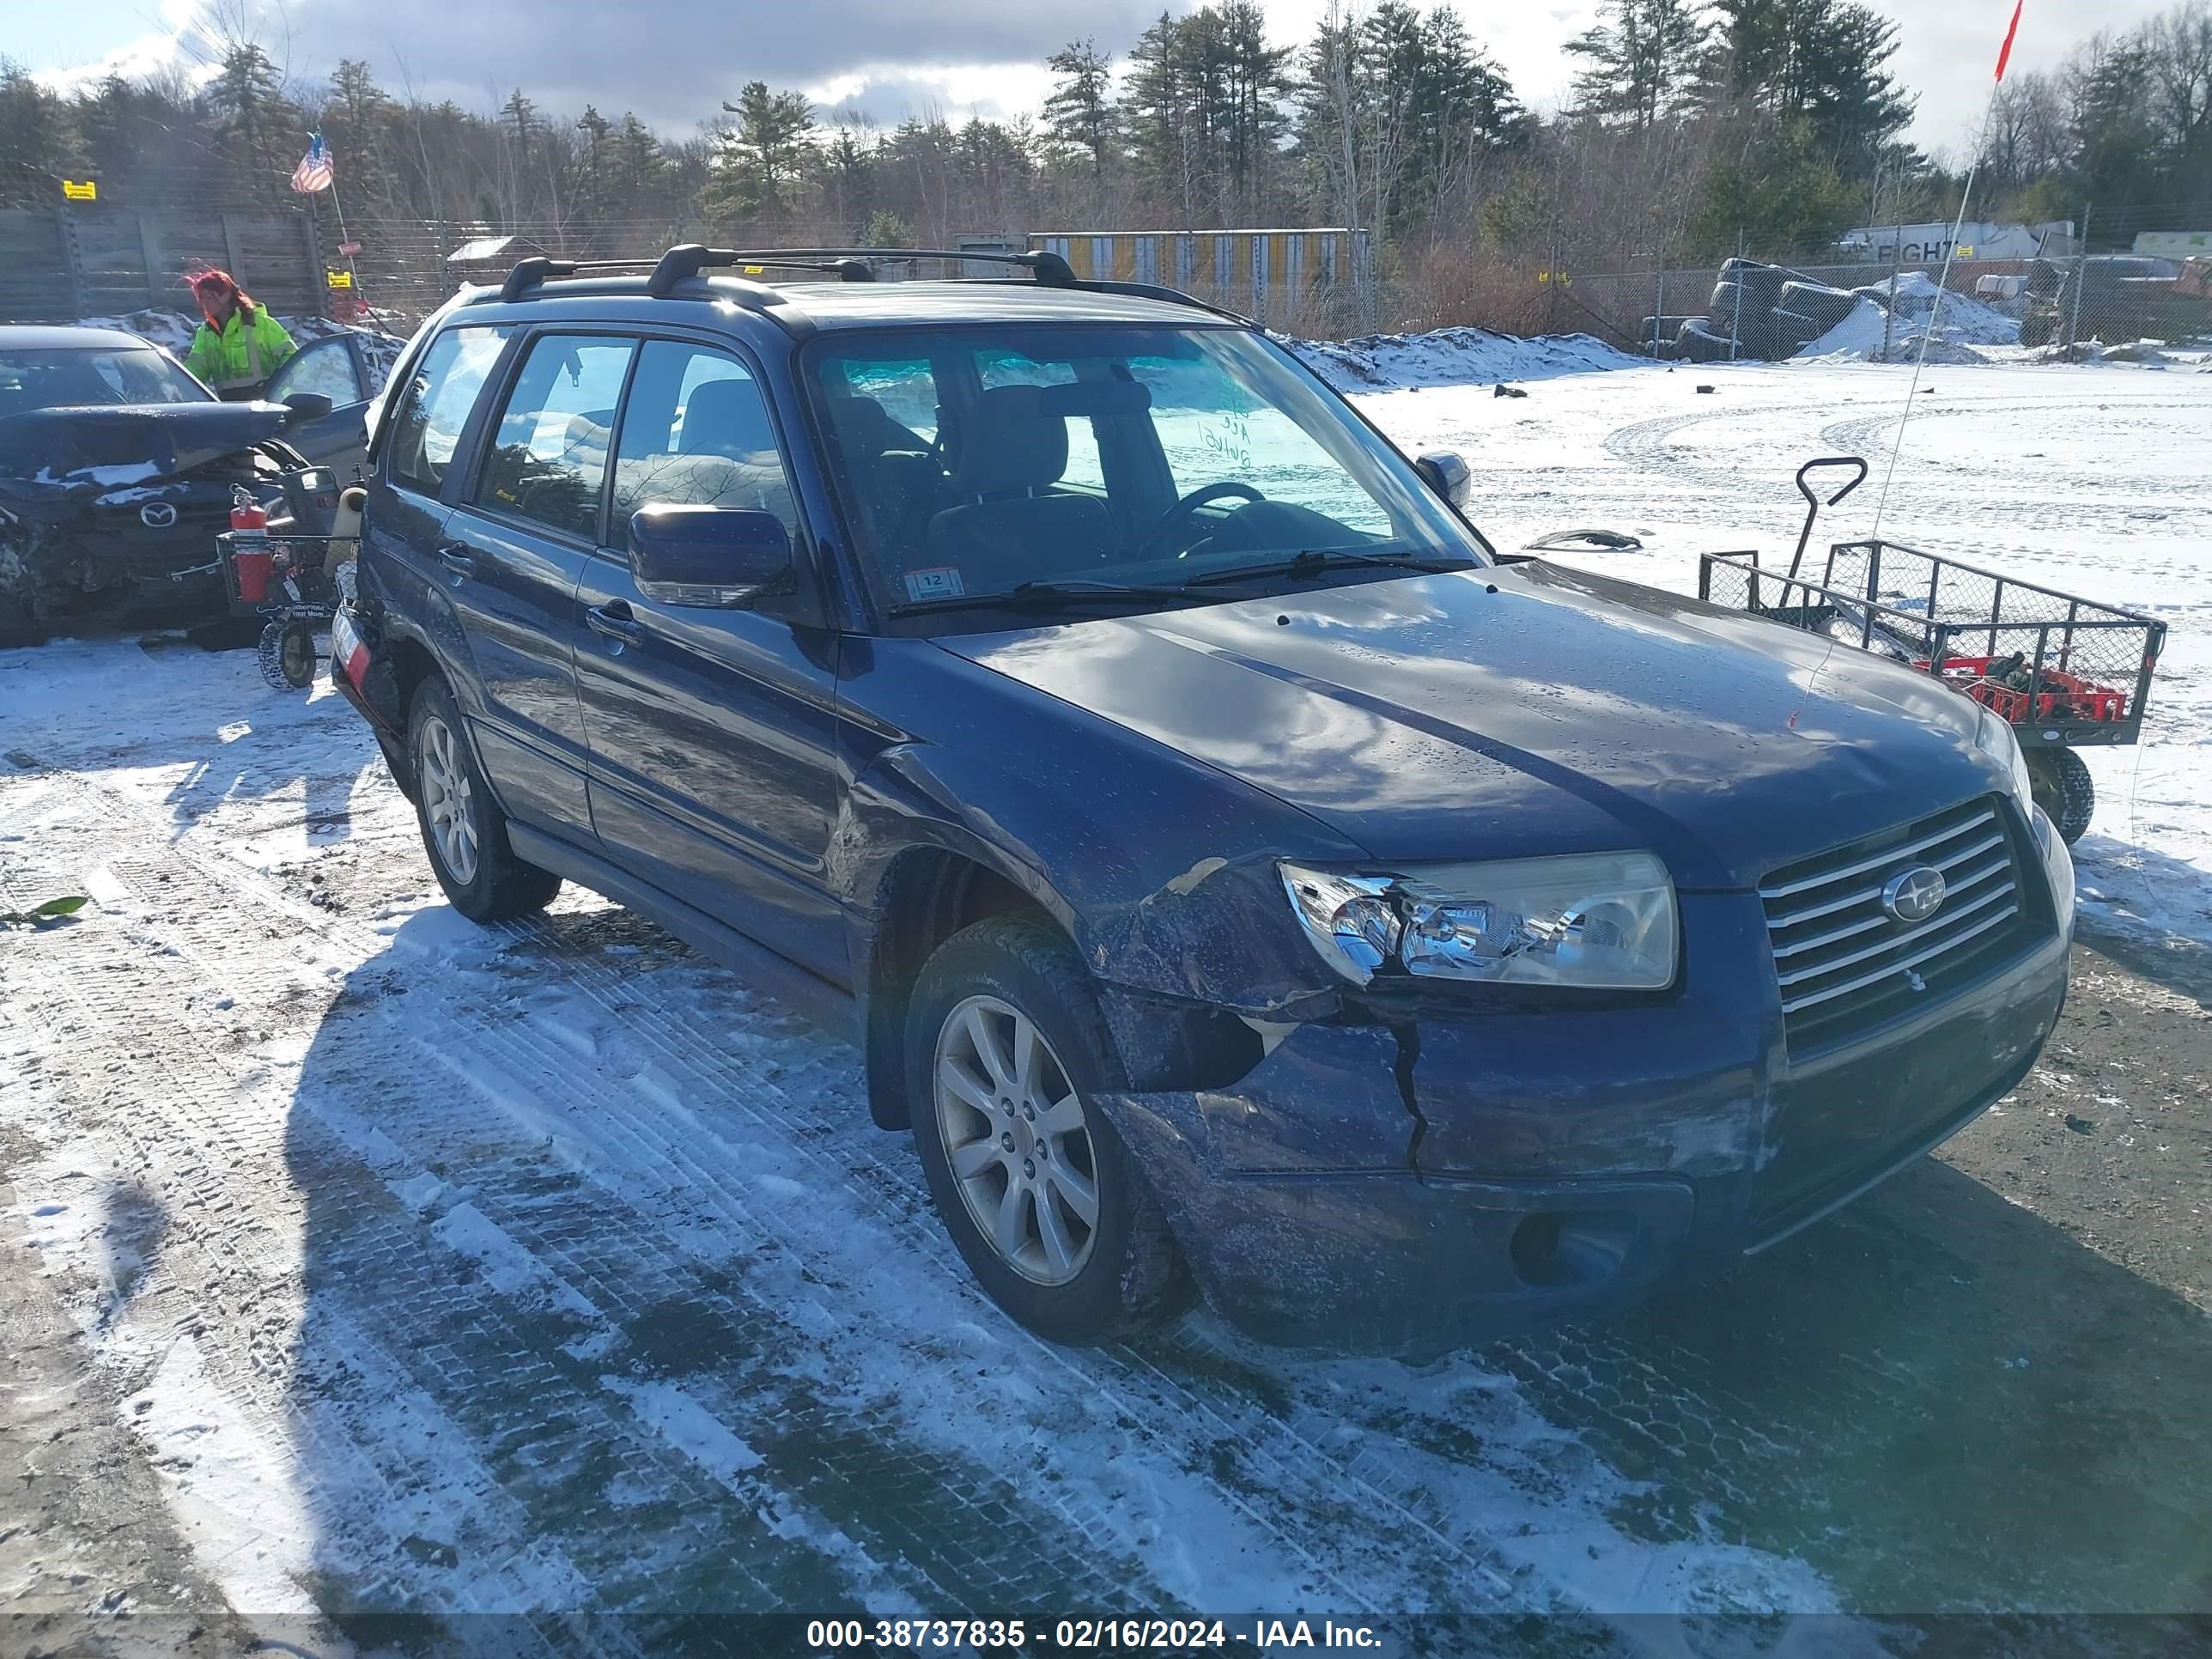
x: 157, y: 515
x: 1914, y: 895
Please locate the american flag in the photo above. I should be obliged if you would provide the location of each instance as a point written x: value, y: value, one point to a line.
x: 313, y: 173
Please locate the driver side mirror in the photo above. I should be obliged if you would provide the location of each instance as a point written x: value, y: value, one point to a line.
x: 1447, y: 474
x: 307, y: 405
x: 724, y: 558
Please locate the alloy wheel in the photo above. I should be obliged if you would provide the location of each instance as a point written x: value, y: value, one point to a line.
x: 448, y: 802
x: 1017, y: 1140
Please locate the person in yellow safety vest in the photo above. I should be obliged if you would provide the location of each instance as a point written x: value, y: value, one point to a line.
x: 239, y: 345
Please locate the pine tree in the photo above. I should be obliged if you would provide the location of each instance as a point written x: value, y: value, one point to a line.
x: 260, y: 131
x: 1080, y: 111
x: 763, y: 160
x: 1821, y: 62
x: 35, y: 137
x: 847, y: 176
x: 1646, y: 58
x: 354, y: 124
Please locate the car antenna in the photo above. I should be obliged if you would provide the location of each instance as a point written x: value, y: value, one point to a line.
x: 1943, y: 282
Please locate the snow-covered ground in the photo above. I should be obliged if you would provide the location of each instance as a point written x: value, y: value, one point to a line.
x: 2096, y: 480
x: 547, y: 1268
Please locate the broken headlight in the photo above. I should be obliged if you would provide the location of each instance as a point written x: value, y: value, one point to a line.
x: 1594, y: 920
x: 1996, y: 739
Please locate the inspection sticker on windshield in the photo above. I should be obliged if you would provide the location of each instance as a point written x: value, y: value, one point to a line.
x: 938, y: 583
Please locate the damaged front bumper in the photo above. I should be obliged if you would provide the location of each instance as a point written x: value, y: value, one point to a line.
x: 1413, y: 1188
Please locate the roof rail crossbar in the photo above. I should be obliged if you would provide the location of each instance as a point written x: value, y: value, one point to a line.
x: 533, y: 272
x: 688, y: 259
x: 1046, y: 267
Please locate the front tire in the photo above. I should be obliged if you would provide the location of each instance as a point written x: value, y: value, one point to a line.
x: 2063, y: 787
x: 464, y: 831
x: 1006, y: 1055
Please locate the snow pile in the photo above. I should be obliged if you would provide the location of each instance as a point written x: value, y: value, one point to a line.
x: 1859, y: 339
x: 2141, y: 354
x: 1455, y: 356
x: 1905, y: 305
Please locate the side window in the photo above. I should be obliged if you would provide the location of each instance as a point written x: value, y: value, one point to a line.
x: 548, y: 457
x: 427, y: 429
x: 327, y: 368
x: 696, y: 433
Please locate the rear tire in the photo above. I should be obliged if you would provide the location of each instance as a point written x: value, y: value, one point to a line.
x: 2064, y: 790
x: 464, y: 831
x: 1006, y: 1053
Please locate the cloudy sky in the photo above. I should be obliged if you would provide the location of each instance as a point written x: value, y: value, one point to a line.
x: 673, y: 62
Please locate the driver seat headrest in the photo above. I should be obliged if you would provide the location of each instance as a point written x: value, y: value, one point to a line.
x: 1017, y: 440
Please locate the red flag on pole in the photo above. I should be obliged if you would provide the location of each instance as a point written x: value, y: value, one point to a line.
x: 2004, y: 56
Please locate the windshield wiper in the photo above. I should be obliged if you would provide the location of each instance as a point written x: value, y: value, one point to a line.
x: 1317, y: 562
x: 1044, y: 595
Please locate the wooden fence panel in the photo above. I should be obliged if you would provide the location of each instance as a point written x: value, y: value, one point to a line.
x: 56, y: 265
x: 111, y: 263
x: 35, y: 281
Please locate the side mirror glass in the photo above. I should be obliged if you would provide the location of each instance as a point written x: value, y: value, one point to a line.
x: 1447, y: 474
x: 718, y: 558
x: 307, y: 405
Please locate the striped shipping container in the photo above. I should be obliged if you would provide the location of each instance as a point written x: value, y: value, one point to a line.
x: 1285, y: 277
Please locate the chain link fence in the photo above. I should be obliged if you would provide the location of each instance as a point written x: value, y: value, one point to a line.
x: 2085, y: 303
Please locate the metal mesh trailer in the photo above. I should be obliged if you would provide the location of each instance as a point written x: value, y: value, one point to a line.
x: 2065, y: 672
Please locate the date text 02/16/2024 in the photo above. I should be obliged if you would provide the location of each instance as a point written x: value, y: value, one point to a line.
x: 1258, y: 1635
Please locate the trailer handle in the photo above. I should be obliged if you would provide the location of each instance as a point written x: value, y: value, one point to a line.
x: 1812, y: 501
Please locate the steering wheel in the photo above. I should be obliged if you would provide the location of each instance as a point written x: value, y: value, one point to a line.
x: 1190, y: 504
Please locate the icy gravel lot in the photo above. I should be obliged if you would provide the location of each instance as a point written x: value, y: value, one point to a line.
x: 546, y: 1270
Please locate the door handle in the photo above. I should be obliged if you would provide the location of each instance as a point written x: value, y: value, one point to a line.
x: 457, y: 559
x: 614, y: 621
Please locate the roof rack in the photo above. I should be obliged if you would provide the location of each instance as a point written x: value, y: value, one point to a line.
x: 532, y: 272
x: 851, y: 265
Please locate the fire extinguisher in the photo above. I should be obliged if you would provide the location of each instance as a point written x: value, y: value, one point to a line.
x: 249, y: 546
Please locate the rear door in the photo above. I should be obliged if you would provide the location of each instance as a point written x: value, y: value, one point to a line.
x: 433, y: 414
x: 712, y: 731
x: 512, y: 554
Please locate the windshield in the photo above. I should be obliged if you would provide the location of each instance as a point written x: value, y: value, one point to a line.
x: 75, y: 376
x: 971, y: 461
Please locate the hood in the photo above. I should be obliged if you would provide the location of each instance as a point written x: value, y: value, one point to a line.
x: 1510, y: 712
x: 104, y: 446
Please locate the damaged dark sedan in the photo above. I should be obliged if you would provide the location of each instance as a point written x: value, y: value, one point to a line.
x: 116, y: 469
x: 1237, y: 878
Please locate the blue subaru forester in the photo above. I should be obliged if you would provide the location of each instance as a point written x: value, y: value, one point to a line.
x: 1236, y: 876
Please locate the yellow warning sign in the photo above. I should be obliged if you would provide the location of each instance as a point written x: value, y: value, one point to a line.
x: 339, y: 279
x: 81, y: 189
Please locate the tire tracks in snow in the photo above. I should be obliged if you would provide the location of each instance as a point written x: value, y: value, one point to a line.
x: 837, y: 1354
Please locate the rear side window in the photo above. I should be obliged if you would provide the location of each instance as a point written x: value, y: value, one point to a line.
x: 427, y: 429
x: 549, y: 459
x: 696, y: 433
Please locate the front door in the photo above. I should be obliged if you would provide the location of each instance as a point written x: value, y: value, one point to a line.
x: 512, y: 554
x: 712, y: 731
x: 329, y: 368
